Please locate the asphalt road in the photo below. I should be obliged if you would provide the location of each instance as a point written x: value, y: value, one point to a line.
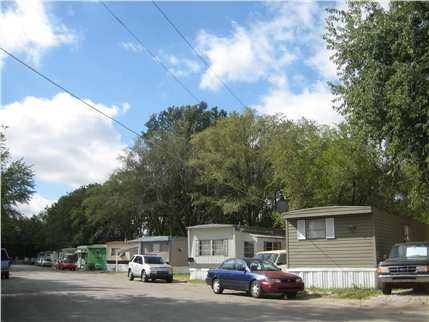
x: 43, y: 294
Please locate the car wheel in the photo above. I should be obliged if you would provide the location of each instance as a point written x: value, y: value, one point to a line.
x: 386, y: 290
x: 6, y: 276
x: 130, y: 275
x: 255, y: 289
x: 291, y: 295
x: 217, y: 286
x: 144, y: 277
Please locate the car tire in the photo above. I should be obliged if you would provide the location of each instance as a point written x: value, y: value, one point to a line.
x: 130, y: 275
x: 217, y: 286
x: 144, y: 277
x: 256, y: 289
x: 6, y: 276
x: 291, y: 295
x: 386, y: 290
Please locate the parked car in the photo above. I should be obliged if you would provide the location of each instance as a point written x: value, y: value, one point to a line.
x: 149, y: 267
x: 406, y: 267
x: 46, y: 261
x: 278, y: 257
x: 5, y: 263
x: 253, y: 275
x: 66, y: 263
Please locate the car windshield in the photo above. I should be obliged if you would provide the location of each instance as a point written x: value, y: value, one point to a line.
x: 4, y: 256
x: 267, y: 257
x: 261, y: 265
x: 153, y: 260
x: 416, y: 250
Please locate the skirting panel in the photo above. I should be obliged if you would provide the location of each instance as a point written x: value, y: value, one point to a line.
x: 337, y: 278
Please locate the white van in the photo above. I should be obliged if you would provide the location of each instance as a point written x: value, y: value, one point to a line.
x: 277, y: 257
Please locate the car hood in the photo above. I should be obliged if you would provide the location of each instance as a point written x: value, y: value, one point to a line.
x: 275, y: 274
x: 405, y: 261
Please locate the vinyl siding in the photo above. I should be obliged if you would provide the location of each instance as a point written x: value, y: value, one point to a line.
x: 348, y: 249
x: 389, y: 230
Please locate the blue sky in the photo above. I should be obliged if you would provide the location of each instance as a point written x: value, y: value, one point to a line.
x: 270, y: 54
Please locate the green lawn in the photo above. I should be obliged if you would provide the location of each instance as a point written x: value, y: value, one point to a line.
x: 184, y: 278
x: 343, y: 293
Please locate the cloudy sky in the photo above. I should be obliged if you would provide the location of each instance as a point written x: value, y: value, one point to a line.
x: 270, y: 54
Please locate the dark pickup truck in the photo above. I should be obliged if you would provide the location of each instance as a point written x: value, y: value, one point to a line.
x: 406, y: 267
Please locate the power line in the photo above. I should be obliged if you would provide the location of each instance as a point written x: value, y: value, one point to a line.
x: 69, y: 92
x: 197, y: 53
x: 111, y: 118
x: 153, y: 56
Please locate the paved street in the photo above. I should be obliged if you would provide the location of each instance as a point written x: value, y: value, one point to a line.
x: 43, y: 294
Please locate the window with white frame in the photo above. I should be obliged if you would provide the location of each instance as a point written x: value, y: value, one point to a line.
x: 318, y: 228
x: 249, y: 249
x: 272, y: 245
x: 219, y: 247
x: 113, y: 251
x: 204, y: 248
x: 215, y: 247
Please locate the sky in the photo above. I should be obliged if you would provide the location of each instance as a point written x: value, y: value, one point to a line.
x: 270, y: 54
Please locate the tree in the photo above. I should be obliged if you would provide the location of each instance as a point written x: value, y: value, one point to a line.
x: 383, y: 89
x: 17, y: 183
x: 233, y: 169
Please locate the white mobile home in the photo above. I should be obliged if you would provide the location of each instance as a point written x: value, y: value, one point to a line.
x: 209, y: 245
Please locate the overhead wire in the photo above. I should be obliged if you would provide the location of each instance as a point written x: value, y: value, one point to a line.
x: 123, y: 125
x: 196, y: 52
x: 151, y: 54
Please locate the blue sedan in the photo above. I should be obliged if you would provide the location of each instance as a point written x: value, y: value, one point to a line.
x: 255, y: 276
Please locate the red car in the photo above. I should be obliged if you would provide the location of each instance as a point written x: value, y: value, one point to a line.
x: 66, y: 264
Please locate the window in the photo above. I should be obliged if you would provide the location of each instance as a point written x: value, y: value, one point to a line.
x: 272, y: 245
x: 228, y: 264
x: 219, y: 247
x: 316, y: 228
x: 204, y: 248
x: 239, y: 265
x: 282, y: 259
x: 138, y: 260
x: 249, y: 249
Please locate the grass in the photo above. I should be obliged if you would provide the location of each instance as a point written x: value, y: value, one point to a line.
x: 344, y: 293
x: 184, y: 278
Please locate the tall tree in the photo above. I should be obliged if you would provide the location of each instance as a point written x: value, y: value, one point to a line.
x: 232, y: 166
x: 383, y: 88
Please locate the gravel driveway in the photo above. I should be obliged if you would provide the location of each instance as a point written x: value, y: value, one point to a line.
x: 43, y: 294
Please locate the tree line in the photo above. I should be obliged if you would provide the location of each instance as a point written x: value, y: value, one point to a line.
x: 196, y: 165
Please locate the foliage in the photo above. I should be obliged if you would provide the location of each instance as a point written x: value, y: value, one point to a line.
x: 343, y: 293
x: 383, y: 59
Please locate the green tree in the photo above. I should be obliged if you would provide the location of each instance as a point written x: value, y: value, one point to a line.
x: 383, y: 88
x: 234, y: 170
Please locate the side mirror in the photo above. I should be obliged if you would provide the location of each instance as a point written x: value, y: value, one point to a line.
x: 168, y: 263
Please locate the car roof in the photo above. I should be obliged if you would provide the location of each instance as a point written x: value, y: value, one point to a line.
x: 280, y: 251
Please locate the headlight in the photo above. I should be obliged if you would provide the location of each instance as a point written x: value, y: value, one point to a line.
x: 274, y: 280
x: 422, y: 269
x: 383, y: 269
x: 299, y: 280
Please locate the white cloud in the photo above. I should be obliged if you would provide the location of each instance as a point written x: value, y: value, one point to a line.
x: 131, y: 46
x: 181, y: 67
x: 65, y: 141
x: 34, y: 206
x: 321, y: 62
x: 26, y: 28
x: 311, y: 103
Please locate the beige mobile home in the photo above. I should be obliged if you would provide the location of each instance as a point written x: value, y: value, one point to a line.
x: 119, y: 254
x: 340, y: 246
x: 173, y: 249
x: 209, y: 245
